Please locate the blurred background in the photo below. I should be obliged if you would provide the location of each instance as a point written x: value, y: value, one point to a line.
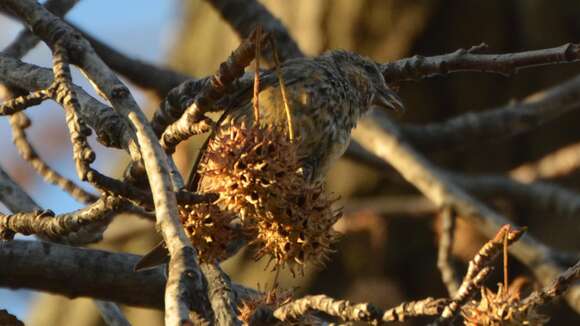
x: 389, y: 249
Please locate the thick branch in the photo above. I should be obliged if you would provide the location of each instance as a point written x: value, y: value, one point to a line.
x: 26, y: 40
x: 419, y: 67
x: 77, y: 272
x: 244, y: 15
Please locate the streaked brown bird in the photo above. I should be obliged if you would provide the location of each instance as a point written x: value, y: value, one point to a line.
x: 326, y: 96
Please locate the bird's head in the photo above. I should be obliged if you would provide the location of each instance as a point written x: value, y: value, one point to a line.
x: 366, y: 77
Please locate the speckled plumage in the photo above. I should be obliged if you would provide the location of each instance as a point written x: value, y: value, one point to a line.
x: 326, y: 95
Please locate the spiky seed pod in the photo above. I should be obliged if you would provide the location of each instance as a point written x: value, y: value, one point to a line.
x: 301, y: 232
x: 257, y: 172
x: 265, y: 303
x: 503, y: 308
x: 209, y: 230
x: 251, y: 168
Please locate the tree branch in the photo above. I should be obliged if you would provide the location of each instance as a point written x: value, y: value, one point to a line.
x: 78, y: 272
x: 110, y: 128
x: 349, y: 312
x: 244, y: 15
x: 557, y: 164
x: 81, y: 227
x: 471, y: 128
x: 462, y: 60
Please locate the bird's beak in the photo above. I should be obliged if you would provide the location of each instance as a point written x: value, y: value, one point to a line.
x: 387, y: 99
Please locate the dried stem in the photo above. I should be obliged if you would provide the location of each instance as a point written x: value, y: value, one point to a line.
x: 464, y: 293
x: 26, y: 40
x: 478, y: 270
x: 424, y: 307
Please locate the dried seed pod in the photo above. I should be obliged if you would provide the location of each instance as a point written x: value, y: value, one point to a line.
x: 209, y: 230
x: 301, y: 232
x: 503, y: 308
x: 257, y: 172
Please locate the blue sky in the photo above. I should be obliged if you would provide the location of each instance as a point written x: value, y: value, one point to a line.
x: 139, y: 28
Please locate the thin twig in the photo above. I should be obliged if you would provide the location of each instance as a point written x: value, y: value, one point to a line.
x: 424, y: 307
x: 444, y: 263
x: 20, y: 103
x: 559, y: 286
x: 256, y: 97
x: 462, y: 60
x: 19, y: 122
x: 77, y: 228
x: 478, y: 270
x: 83, y: 155
x: 544, y: 197
x: 143, y: 74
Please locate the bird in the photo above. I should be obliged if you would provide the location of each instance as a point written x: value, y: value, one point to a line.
x: 325, y: 96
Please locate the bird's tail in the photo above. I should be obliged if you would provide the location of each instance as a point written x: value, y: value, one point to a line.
x: 157, y: 256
